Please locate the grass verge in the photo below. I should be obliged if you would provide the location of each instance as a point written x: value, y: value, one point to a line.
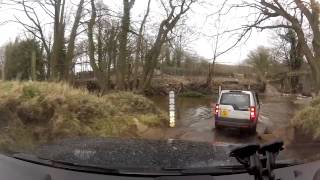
x: 40, y: 112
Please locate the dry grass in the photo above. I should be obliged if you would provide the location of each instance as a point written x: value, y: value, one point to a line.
x: 309, y: 119
x: 39, y: 112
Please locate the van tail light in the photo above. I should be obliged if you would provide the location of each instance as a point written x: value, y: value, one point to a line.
x: 253, y: 113
x: 216, y: 110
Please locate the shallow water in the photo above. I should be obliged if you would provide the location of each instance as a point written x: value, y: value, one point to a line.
x: 195, y: 122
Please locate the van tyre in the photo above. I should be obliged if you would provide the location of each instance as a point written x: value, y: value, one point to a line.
x: 218, y: 127
x: 253, y: 130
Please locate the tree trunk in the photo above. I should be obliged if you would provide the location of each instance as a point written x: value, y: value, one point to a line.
x: 33, y: 65
x: 294, y: 81
x: 123, y: 41
x: 101, y: 78
x: 316, y: 77
x: 138, y: 53
x: 210, y: 75
x: 108, y: 74
x: 150, y: 65
x: 166, y: 26
x: 70, y: 49
x: 58, y: 38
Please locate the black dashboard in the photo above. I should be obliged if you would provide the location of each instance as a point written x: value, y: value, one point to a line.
x: 16, y: 169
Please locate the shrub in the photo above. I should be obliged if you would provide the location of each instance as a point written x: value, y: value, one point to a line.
x: 315, y: 102
x: 308, y: 119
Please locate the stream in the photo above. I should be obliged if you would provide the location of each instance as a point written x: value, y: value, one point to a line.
x: 194, y: 122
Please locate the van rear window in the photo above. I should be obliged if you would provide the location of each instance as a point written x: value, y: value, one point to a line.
x: 239, y: 101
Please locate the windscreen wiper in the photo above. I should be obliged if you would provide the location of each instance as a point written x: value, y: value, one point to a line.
x: 63, y: 164
x: 224, y: 169
x: 216, y: 170
x: 256, y: 160
x: 259, y: 161
x: 94, y: 168
x: 125, y: 171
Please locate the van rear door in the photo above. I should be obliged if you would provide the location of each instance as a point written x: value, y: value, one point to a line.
x: 234, y: 105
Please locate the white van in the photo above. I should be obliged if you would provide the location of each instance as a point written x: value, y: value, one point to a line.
x: 236, y: 108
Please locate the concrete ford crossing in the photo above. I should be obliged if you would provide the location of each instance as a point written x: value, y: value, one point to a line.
x: 236, y: 108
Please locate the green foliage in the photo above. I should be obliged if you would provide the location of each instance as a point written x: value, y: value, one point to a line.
x: 18, y: 60
x: 308, y: 119
x: 40, y: 112
x: 30, y: 92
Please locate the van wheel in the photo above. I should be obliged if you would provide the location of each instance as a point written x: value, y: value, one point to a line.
x: 217, y: 127
x: 253, y: 130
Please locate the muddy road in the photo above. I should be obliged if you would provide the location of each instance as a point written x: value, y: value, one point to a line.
x: 195, y: 121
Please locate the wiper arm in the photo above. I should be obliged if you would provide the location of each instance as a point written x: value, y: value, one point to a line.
x: 260, y: 161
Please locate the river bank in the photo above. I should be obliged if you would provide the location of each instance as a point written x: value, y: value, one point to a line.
x: 32, y: 113
x: 197, y: 86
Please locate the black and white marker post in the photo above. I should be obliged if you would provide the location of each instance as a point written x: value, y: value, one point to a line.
x: 172, y: 113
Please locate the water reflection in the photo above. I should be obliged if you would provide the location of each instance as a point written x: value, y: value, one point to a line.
x: 188, y: 109
x: 172, y: 119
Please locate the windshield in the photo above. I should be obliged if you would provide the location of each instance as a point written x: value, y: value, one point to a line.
x: 136, y: 83
x: 239, y: 100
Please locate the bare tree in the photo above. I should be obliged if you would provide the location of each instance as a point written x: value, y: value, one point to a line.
x: 122, y: 63
x: 261, y: 60
x: 58, y: 39
x: 292, y: 14
x: 58, y: 61
x: 102, y: 45
x: 71, y: 45
x: 99, y: 72
x: 174, y: 13
x: 2, y: 62
x: 139, y: 48
x: 234, y: 36
x: 216, y: 54
x: 36, y: 28
x: 289, y: 52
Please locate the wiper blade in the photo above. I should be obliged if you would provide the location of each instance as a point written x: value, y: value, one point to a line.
x: 125, y: 171
x: 91, y: 168
x: 225, y: 169
x: 65, y: 165
x: 216, y: 170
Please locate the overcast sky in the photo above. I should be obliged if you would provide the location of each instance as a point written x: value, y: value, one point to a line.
x: 203, y: 27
